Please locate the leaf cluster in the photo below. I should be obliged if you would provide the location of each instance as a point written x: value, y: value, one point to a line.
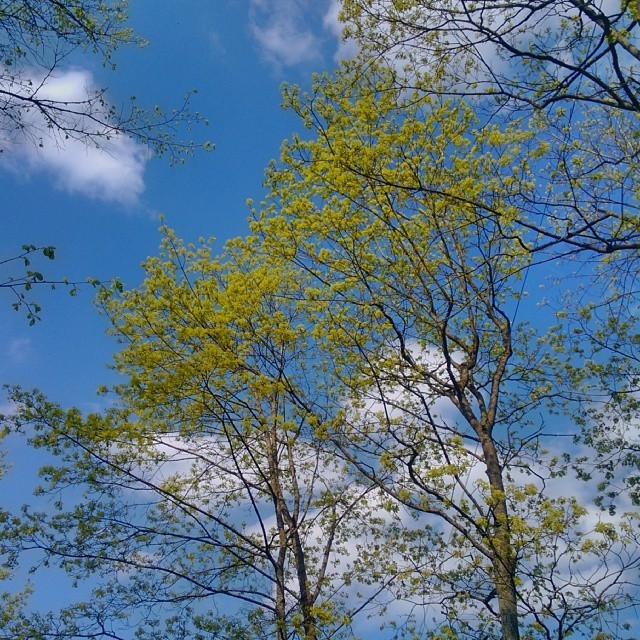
x: 21, y: 284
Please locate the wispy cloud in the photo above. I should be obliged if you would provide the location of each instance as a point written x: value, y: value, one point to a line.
x: 347, y: 49
x: 113, y: 172
x: 283, y: 31
x: 216, y: 43
x: 19, y: 349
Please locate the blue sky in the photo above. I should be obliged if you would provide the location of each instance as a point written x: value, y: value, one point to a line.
x: 101, y: 212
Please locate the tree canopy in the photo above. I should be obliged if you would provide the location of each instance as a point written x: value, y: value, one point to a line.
x: 404, y: 210
x: 534, y: 55
x: 570, y: 65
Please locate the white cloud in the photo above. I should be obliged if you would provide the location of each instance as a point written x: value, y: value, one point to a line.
x: 280, y: 28
x: 113, y: 172
x: 217, y: 44
x: 347, y: 49
x: 292, y: 32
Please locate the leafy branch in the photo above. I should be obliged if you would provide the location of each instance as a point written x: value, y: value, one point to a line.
x: 21, y: 285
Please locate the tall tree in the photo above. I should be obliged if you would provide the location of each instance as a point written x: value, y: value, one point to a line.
x: 401, y: 208
x: 569, y: 67
x: 209, y: 507
x: 368, y: 348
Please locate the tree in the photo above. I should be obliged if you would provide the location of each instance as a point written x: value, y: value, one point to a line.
x: 205, y: 489
x: 401, y: 208
x: 37, y: 37
x: 356, y: 373
x: 570, y: 68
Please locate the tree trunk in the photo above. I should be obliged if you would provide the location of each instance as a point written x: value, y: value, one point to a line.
x: 503, y: 561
